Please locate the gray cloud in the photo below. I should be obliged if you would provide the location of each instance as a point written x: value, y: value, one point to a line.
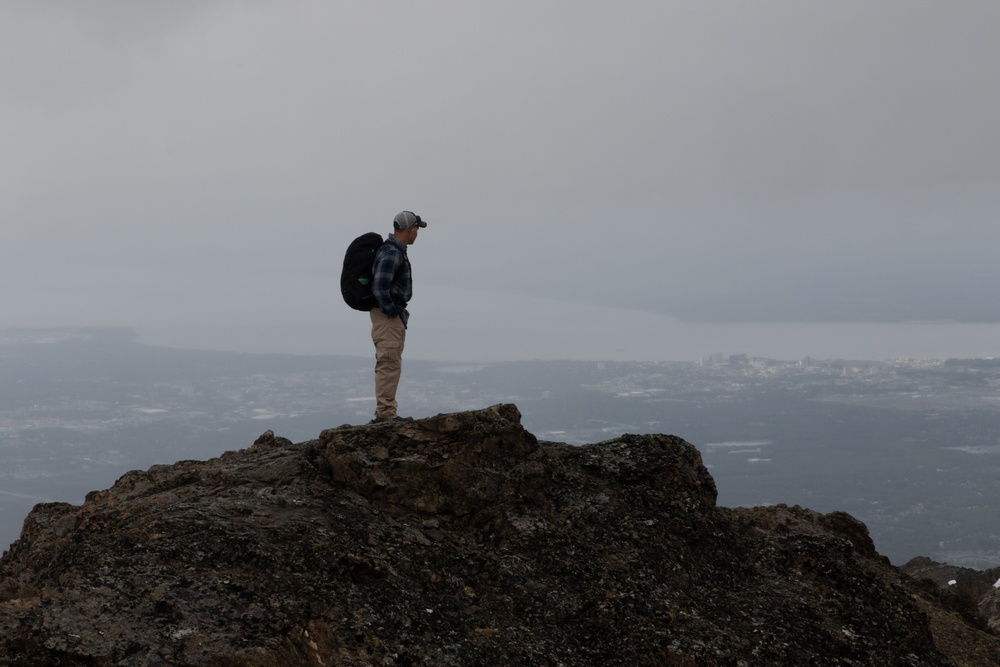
x: 773, y: 160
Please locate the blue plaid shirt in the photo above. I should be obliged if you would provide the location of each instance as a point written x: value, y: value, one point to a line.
x: 392, y: 283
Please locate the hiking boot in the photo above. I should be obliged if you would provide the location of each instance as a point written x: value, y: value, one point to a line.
x: 386, y: 420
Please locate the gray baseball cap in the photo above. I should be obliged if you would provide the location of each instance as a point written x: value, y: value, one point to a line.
x: 407, y: 219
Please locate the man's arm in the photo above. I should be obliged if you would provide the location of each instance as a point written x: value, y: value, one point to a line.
x: 387, y: 261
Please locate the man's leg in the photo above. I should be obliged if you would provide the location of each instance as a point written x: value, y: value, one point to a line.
x: 388, y: 334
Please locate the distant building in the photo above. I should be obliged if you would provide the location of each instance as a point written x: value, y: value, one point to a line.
x: 714, y: 359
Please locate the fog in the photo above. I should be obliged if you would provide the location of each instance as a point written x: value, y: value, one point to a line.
x: 627, y: 180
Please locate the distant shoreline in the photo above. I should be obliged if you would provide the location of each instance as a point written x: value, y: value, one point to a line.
x: 673, y: 342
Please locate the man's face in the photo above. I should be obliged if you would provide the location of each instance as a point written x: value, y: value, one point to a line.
x: 410, y: 235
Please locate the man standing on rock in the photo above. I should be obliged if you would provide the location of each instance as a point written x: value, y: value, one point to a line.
x: 392, y: 285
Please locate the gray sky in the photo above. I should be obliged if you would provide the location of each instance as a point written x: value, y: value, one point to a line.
x: 595, y: 174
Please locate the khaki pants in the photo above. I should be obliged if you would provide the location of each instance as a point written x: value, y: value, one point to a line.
x: 388, y: 334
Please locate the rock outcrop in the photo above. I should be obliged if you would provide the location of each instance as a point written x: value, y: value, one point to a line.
x: 458, y: 540
x: 974, y: 593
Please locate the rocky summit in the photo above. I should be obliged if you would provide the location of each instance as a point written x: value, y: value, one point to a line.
x: 459, y: 540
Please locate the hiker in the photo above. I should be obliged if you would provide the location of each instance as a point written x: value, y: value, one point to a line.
x: 392, y: 287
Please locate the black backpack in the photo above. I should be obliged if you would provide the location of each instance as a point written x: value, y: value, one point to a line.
x: 356, y: 277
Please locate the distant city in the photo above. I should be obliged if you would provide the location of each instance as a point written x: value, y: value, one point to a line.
x: 909, y: 446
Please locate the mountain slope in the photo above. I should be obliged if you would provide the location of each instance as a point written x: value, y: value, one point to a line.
x: 457, y: 540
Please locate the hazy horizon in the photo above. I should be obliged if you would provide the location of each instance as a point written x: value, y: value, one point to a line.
x: 685, y: 342
x: 647, y: 180
x: 677, y: 341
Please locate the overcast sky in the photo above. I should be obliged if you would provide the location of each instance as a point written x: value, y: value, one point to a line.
x: 595, y: 175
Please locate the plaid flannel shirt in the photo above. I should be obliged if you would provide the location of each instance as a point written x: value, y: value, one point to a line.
x: 392, y: 283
